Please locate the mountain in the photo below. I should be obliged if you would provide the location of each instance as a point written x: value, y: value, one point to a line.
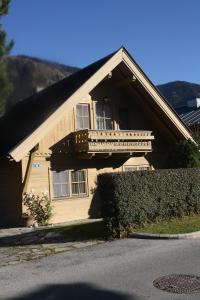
x: 29, y: 75
x: 179, y: 92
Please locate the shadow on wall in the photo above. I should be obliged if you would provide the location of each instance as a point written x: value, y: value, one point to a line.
x: 10, y: 193
x: 75, y: 292
x: 96, y: 204
x: 63, y: 158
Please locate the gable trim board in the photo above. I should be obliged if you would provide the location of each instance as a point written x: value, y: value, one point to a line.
x: 155, y: 94
x: 24, y: 146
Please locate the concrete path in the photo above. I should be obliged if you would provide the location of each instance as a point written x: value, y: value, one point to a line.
x: 119, y: 270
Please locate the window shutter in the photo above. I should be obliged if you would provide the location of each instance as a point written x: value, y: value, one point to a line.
x: 83, y: 116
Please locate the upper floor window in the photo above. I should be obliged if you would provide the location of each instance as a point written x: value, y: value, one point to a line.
x: 82, y: 116
x: 103, y: 116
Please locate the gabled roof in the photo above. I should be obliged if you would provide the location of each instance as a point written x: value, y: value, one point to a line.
x: 29, y: 113
x: 27, y: 123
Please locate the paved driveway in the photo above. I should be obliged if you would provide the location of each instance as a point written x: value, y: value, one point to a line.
x: 118, y: 270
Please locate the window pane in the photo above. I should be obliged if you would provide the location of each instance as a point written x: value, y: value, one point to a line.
x: 86, y: 122
x: 57, y: 190
x: 64, y: 189
x: 143, y: 168
x: 55, y: 177
x: 99, y: 110
x: 99, y: 124
x: 74, y: 176
x: 82, y: 189
x: 75, y: 190
x: 81, y: 175
x: 85, y: 109
x: 107, y: 110
x: 108, y: 124
x: 78, y: 120
x: 130, y: 169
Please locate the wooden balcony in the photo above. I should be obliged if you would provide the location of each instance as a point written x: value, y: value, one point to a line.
x: 92, y: 142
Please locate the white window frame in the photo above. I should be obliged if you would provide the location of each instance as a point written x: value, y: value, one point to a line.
x: 89, y: 116
x: 71, y: 195
x: 104, y: 118
x: 61, y: 183
x: 78, y: 183
x: 133, y: 168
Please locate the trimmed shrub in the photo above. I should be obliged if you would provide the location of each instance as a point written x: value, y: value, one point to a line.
x: 132, y: 199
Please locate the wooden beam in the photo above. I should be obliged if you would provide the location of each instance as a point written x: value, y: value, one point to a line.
x: 86, y: 155
x: 28, y: 170
x: 125, y: 81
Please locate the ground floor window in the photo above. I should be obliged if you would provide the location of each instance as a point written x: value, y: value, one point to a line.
x: 61, y: 184
x: 69, y: 183
x: 78, y: 182
x: 136, y: 168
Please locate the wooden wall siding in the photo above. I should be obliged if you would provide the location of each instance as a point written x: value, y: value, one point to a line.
x: 10, y: 192
x: 63, y: 129
x: 140, y: 118
x: 38, y: 179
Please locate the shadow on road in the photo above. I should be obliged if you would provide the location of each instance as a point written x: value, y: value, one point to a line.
x: 74, y: 292
x: 78, y: 233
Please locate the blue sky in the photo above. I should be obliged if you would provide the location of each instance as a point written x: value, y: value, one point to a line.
x: 162, y: 35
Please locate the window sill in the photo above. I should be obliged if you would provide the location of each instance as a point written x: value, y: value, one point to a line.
x: 69, y: 198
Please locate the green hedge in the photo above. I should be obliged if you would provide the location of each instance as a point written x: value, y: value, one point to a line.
x: 132, y: 199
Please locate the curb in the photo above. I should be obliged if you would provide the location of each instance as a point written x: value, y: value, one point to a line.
x: 187, y: 236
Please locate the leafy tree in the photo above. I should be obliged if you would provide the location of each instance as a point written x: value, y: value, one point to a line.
x: 5, y: 86
x: 184, y: 154
x: 196, y: 134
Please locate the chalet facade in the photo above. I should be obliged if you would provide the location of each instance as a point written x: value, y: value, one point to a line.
x: 107, y: 117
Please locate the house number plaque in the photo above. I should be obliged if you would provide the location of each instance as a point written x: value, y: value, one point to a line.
x: 36, y: 165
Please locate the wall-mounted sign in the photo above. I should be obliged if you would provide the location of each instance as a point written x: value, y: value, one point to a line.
x: 36, y: 165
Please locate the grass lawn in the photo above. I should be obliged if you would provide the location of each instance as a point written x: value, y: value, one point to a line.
x: 175, y: 226
x: 92, y: 230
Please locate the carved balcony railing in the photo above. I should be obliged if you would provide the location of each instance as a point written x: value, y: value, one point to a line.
x: 112, y: 141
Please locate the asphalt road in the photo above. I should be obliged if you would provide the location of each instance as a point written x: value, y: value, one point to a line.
x: 118, y: 270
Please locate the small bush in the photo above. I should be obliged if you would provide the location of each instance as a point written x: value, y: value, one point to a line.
x: 39, y: 207
x: 132, y: 199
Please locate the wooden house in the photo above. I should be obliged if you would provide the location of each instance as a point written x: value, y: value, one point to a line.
x: 107, y: 117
